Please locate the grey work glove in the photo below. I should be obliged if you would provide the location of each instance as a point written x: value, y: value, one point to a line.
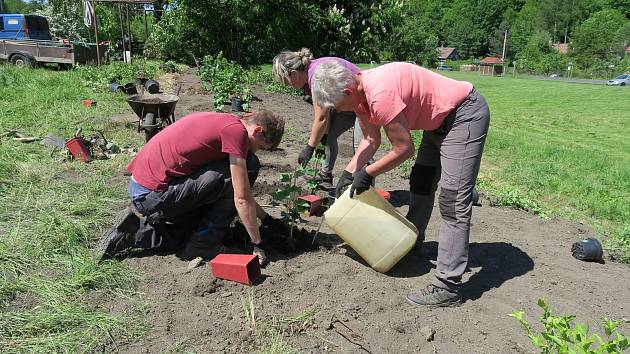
x: 344, y: 180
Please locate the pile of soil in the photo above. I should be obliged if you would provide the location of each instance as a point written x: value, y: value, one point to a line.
x: 515, y: 258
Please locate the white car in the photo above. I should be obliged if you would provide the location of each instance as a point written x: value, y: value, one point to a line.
x: 621, y: 80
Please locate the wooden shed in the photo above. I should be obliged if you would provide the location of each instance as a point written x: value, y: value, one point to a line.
x: 447, y: 53
x: 491, y: 66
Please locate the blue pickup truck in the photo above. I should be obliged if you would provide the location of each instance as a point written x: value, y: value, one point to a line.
x: 18, y: 26
x: 25, y: 41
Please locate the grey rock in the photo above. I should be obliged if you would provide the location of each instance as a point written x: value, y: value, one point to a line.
x: 428, y: 333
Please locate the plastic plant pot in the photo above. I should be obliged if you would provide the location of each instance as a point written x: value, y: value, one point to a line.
x: 115, y: 87
x: 130, y: 88
x: 88, y: 103
x: 589, y: 249
x: 152, y: 86
x: 475, y: 197
x: 237, y: 104
x: 315, y: 204
x: 241, y: 268
x: 78, y: 149
x: 383, y: 193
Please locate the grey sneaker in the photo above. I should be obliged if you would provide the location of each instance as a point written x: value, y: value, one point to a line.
x: 119, y: 237
x: 432, y: 296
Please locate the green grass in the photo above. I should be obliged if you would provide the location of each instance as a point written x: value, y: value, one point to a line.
x: 562, y: 148
x: 51, y: 211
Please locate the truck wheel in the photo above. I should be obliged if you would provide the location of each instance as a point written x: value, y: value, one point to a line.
x: 64, y: 66
x: 21, y: 61
x: 149, y: 127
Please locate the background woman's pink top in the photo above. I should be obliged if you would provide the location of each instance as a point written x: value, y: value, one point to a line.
x: 319, y: 61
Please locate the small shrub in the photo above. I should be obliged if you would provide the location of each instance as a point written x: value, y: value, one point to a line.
x: 561, y: 335
x: 225, y: 79
x: 287, y: 199
x: 287, y: 196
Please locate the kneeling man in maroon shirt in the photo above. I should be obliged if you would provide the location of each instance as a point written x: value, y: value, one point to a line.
x: 189, y: 182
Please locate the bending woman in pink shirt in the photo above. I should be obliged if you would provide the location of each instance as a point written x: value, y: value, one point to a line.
x: 296, y: 69
x: 454, y: 117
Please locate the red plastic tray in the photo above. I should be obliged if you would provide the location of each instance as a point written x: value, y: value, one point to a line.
x: 241, y: 268
x: 315, y: 203
x: 383, y: 193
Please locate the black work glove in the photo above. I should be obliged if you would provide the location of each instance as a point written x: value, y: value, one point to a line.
x: 361, y: 182
x: 260, y: 250
x: 344, y: 180
x: 305, y: 156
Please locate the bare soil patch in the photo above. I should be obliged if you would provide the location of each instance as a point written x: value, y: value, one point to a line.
x: 515, y: 258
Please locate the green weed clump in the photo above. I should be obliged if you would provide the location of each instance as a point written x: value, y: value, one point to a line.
x: 619, y: 243
x: 561, y: 335
x: 51, y: 212
x: 99, y: 78
x: 512, y: 197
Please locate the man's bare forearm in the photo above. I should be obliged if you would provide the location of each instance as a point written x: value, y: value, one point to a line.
x: 247, y: 211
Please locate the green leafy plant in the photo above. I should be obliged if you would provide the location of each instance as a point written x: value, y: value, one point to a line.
x: 286, y: 198
x: 292, y: 187
x: 224, y: 78
x: 561, y: 335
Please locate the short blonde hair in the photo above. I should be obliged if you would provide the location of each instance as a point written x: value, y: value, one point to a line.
x: 328, y: 82
x: 287, y: 62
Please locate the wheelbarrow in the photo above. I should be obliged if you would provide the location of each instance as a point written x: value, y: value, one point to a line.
x: 155, y: 112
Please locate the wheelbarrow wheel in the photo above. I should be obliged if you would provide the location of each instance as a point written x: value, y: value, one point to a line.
x: 149, y: 126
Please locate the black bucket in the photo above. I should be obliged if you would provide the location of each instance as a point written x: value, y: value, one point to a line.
x: 115, y: 87
x: 152, y: 86
x: 589, y: 249
x: 237, y: 105
x: 130, y: 88
x: 475, y: 197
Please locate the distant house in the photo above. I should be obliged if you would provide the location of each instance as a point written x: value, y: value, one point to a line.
x: 491, y: 66
x: 447, y: 53
x: 562, y: 48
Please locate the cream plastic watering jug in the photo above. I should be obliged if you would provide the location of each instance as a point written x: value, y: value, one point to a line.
x: 372, y: 227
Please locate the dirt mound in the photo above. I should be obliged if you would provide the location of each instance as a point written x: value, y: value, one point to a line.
x: 323, y: 297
